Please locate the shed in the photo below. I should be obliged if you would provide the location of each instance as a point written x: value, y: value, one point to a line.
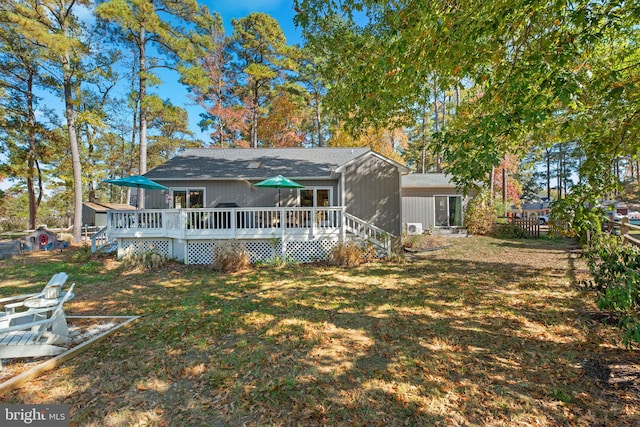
x: 95, y: 214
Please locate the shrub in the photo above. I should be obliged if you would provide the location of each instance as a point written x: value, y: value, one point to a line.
x: 229, y: 258
x: 508, y: 231
x: 82, y: 255
x: 146, y: 260
x: 347, y: 254
x: 615, y: 267
x: 480, y: 214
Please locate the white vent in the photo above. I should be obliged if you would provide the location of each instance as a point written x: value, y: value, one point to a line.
x: 414, y: 228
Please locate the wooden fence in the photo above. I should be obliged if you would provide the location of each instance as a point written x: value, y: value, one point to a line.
x: 623, y: 228
x: 531, y: 226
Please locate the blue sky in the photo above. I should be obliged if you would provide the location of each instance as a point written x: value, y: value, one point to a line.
x: 282, y: 10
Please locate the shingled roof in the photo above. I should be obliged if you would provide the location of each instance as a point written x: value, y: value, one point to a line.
x: 256, y: 163
x: 427, y: 180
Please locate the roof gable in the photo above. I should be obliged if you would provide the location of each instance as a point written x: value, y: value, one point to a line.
x: 256, y: 163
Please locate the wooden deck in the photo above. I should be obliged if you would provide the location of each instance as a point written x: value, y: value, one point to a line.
x: 305, y: 234
x: 228, y: 223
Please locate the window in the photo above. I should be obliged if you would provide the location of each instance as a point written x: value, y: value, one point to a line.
x: 315, y: 197
x: 188, y: 198
x: 448, y: 211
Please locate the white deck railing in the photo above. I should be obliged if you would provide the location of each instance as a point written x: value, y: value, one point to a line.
x: 225, y: 223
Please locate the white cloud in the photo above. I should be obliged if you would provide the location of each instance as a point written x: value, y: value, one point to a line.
x: 84, y: 13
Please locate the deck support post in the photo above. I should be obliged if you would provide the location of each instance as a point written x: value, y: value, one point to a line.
x: 283, y: 226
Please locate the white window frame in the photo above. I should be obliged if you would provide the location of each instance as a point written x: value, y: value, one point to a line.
x: 187, y: 190
x: 315, y: 195
x: 435, y: 206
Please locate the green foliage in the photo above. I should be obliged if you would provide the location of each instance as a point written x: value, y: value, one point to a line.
x: 229, y: 257
x: 508, y: 231
x: 82, y: 255
x: 480, y: 214
x: 584, y: 219
x: 615, y: 267
x: 262, y: 58
x: 535, y: 73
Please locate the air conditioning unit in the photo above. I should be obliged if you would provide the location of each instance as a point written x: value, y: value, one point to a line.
x: 414, y: 228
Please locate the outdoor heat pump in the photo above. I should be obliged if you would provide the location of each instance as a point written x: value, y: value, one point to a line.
x: 414, y: 228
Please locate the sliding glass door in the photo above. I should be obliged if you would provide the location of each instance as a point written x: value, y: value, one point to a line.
x: 188, y: 198
x: 448, y: 211
x: 315, y: 197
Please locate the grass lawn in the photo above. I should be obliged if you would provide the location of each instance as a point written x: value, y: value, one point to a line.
x: 486, y: 332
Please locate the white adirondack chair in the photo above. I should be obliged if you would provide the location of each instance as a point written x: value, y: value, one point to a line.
x: 52, y: 288
x: 36, y: 332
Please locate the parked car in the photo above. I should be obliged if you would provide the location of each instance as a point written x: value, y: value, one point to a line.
x: 544, y: 219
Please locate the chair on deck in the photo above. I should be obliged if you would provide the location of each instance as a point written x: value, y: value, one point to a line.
x: 35, y: 332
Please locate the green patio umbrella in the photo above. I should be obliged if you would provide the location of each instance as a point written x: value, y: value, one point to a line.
x: 136, y: 181
x: 278, y: 182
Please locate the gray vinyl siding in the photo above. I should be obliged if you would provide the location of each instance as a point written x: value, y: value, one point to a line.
x: 418, y: 204
x: 372, y: 193
x: 241, y: 192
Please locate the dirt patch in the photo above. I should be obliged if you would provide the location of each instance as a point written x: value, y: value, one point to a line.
x: 424, y: 241
x: 81, y: 330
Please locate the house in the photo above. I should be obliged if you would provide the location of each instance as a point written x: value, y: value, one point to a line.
x: 348, y: 192
x: 95, y: 214
x: 531, y: 210
x: 431, y: 201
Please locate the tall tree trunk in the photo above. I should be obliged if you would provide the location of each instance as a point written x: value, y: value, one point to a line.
x: 548, y: 155
x: 254, y: 117
x: 91, y: 191
x: 134, y: 133
x: 504, y: 191
x: 319, y: 121
x: 32, y: 155
x: 558, y: 177
x: 143, y: 114
x: 437, y: 122
x: 444, y: 111
x: 491, y: 183
x: 75, y: 152
x: 424, y: 137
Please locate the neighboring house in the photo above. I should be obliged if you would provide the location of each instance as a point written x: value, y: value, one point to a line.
x: 95, y: 214
x: 531, y: 210
x: 431, y: 201
x: 212, y: 197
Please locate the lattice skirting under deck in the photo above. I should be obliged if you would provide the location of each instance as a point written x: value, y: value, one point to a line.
x: 310, y: 250
x: 201, y: 251
x: 162, y: 246
x: 260, y: 250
